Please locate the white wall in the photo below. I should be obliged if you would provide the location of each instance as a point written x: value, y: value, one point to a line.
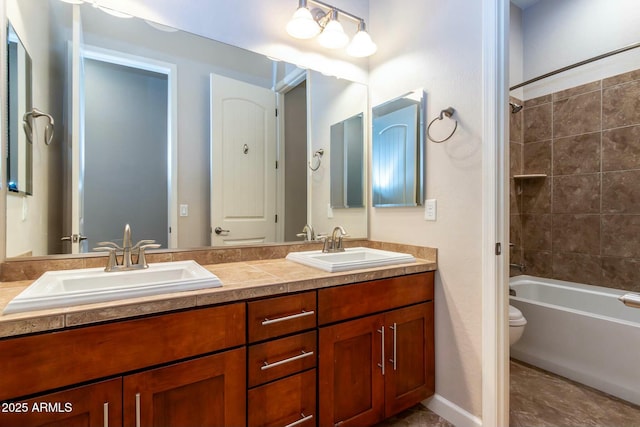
x: 516, y: 58
x: 438, y: 46
x: 560, y: 33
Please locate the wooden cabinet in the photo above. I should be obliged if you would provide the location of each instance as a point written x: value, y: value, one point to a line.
x: 282, y: 360
x: 97, y: 404
x: 207, y: 388
x: 373, y: 367
x: 205, y: 392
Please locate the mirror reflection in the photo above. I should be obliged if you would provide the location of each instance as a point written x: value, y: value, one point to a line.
x: 398, y: 151
x: 20, y: 150
x: 347, y: 163
x: 134, y: 102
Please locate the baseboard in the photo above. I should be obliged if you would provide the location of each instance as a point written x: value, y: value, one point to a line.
x: 452, y: 412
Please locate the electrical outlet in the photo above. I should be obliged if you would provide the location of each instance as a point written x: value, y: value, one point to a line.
x: 184, y: 210
x: 329, y: 211
x: 430, y: 210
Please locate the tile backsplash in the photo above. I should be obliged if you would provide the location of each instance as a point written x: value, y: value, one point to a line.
x: 581, y: 223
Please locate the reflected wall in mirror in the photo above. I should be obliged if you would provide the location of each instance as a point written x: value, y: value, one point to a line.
x: 398, y: 151
x: 183, y: 64
x: 20, y: 149
x: 347, y: 163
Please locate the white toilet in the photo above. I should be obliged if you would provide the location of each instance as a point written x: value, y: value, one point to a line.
x: 517, y: 323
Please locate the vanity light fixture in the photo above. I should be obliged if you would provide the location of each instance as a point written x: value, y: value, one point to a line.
x: 306, y: 24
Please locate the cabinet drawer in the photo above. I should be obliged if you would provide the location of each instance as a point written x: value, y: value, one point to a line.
x: 287, y: 402
x: 278, y: 316
x: 350, y: 301
x: 276, y: 359
x: 110, y: 349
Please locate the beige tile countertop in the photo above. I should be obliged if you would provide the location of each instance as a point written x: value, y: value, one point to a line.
x: 242, y: 280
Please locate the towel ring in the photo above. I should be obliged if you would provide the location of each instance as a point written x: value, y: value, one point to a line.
x: 449, y: 113
x: 317, y: 156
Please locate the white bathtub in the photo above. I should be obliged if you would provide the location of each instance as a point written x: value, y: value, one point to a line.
x: 580, y: 332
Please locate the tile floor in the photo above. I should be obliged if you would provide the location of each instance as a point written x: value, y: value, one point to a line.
x: 542, y: 399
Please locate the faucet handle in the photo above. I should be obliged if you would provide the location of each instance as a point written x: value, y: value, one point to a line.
x: 142, y: 243
x: 113, y: 261
x: 142, y: 259
x: 108, y: 245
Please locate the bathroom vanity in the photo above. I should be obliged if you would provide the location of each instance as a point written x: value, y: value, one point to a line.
x: 284, y: 344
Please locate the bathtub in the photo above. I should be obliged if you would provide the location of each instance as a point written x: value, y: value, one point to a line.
x: 580, y: 332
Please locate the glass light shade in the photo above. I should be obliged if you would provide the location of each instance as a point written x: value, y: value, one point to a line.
x: 362, y: 45
x: 333, y: 35
x: 302, y: 25
x: 73, y: 1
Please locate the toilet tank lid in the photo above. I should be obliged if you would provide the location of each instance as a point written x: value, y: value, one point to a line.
x: 514, y: 313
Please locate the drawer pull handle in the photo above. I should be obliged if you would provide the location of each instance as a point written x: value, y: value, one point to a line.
x: 138, y: 423
x: 301, y: 420
x: 304, y: 313
x: 105, y: 414
x: 302, y: 355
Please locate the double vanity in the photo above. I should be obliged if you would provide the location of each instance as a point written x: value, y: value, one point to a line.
x: 279, y: 343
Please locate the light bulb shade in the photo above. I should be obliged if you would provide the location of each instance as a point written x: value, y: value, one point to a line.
x: 333, y: 35
x: 302, y: 25
x: 362, y: 45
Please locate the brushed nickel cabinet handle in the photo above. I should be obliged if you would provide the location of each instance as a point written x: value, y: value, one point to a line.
x: 395, y: 347
x: 301, y: 420
x: 304, y: 313
x: 105, y: 414
x: 302, y: 355
x: 138, y: 423
x: 381, y: 364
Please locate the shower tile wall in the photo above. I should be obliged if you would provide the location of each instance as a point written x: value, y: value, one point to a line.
x: 582, y: 222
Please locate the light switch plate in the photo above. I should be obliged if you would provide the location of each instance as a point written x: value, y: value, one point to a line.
x: 184, y: 210
x: 329, y: 211
x: 430, y: 210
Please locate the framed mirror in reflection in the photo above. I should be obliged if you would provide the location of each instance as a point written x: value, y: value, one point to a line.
x: 138, y: 139
x: 398, y: 151
x: 20, y: 148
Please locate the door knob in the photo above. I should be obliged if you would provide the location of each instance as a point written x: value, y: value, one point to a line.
x: 219, y: 230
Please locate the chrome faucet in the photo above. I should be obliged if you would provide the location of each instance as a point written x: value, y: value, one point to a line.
x: 334, y: 243
x: 308, y: 233
x: 127, y: 250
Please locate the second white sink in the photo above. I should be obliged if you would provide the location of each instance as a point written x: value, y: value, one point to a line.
x: 71, y: 287
x: 350, y: 259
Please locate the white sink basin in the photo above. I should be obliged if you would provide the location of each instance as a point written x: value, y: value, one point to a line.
x: 71, y: 287
x: 350, y: 259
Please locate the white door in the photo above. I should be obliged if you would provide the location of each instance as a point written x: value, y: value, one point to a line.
x: 243, y: 163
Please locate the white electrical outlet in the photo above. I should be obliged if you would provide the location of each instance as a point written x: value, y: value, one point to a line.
x: 430, y: 210
x: 184, y: 210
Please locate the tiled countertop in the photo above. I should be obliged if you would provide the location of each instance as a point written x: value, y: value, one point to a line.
x: 241, y: 281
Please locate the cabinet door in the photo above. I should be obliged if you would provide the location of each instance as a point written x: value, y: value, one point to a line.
x: 208, y: 391
x: 409, y: 375
x: 351, y: 382
x: 92, y: 405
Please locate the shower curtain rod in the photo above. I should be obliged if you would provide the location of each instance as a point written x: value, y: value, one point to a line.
x: 577, y: 64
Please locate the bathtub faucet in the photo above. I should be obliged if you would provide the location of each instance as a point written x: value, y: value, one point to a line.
x: 522, y: 267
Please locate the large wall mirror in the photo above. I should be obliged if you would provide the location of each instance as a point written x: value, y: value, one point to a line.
x: 137, y: 110
x: 398, y: 151
x: 20, y: 149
